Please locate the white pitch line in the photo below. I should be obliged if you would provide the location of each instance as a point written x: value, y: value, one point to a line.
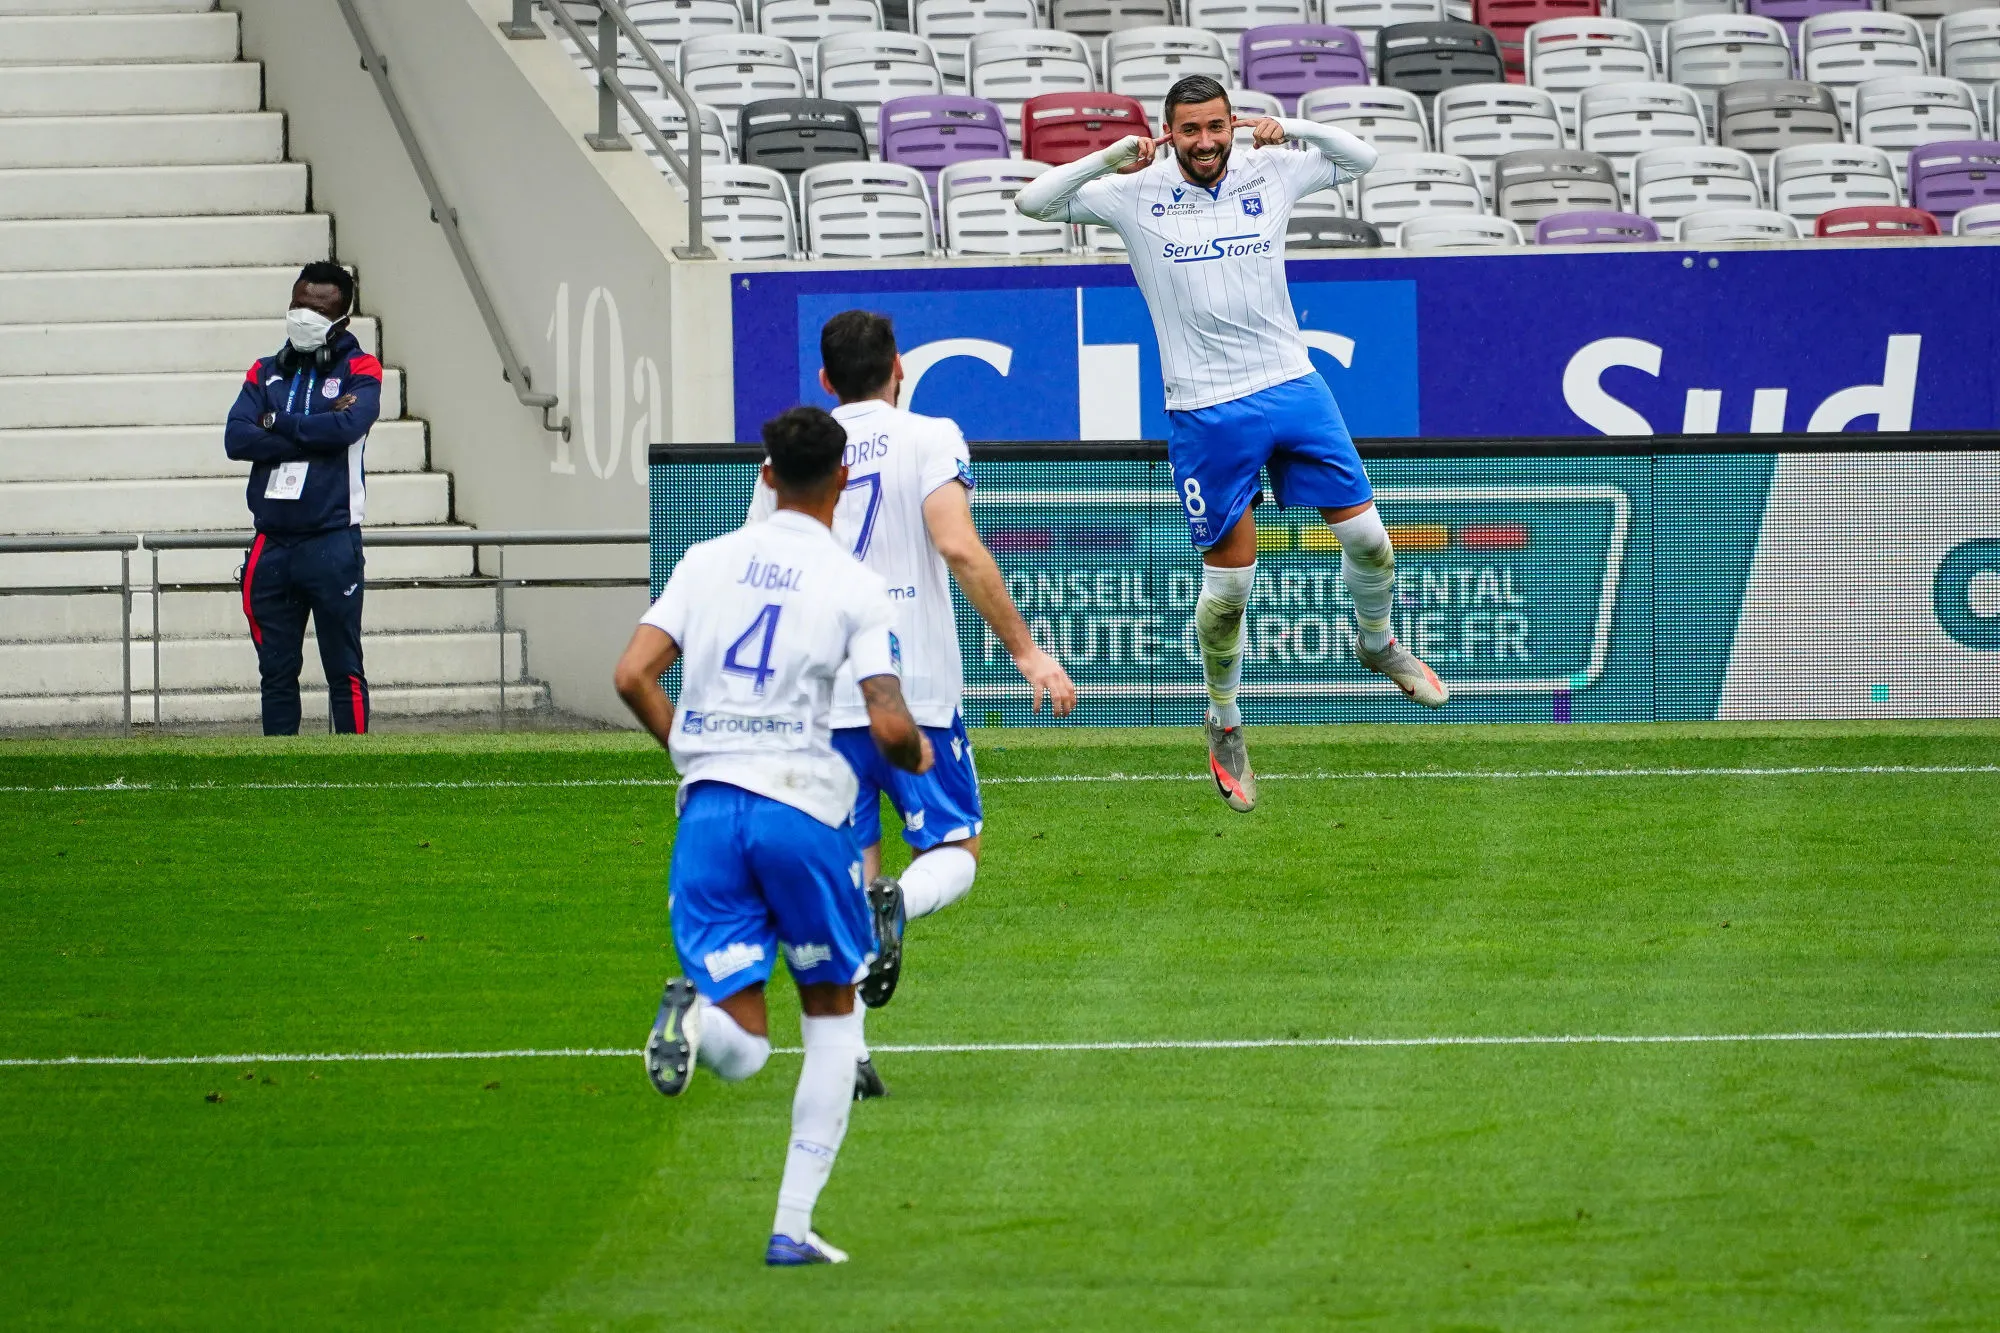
x: 1030, y: 1047
x: 1322, y: 775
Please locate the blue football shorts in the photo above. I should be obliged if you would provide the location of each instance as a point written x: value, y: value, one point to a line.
x: 1294, y: 427
x: 937, y: 807
x: 751, y: 874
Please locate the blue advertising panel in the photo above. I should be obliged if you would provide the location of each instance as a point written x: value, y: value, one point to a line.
x: 1889, y: 336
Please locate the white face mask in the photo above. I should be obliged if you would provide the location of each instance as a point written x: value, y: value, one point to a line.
x: 307, y: 329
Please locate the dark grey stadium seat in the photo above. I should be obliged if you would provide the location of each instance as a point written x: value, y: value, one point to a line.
x: 790, y: 134
x: 1331, y: 234
x: 1426, y: 58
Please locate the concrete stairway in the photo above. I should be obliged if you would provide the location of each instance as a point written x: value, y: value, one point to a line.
x: 150, y: 230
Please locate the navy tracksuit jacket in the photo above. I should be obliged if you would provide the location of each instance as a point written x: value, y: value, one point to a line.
x: 308, y: 498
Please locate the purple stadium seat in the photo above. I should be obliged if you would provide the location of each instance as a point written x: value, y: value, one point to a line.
x: 929, y: 133
x: 1958, y: 174
x: 1286, y: 59
x: 1595, y: 227
x: 1791, y: 13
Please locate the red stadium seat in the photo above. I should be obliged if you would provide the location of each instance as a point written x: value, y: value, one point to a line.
x: 1875, y: 220
x: 1062, y: 127
x: 1509, y: 20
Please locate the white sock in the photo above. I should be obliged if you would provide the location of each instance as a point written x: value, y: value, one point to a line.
x: 1218, y: 623
x: 819, y: 1117
x: 938, y: 878
x: 726, y: 1049
x: 1368, y: 566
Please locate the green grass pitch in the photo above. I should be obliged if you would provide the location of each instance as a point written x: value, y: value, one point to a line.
x: 486, y: 894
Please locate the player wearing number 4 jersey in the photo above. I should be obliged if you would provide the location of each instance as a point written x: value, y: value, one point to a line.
x: 906, y: 514
x: 1205, y: 229
x: 762, y: 621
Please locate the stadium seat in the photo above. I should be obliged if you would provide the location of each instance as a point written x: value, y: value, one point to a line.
x: 1322, y: 204
x: 1062, y: 127
x: 1457, y: 231
x: 930, y: 132
x: 1868, y: 223
x: 1364, y: 18
x: 976, y: 200
x: 1807, y: 181
x: 1930, y: 11
x: 1102, y: 241
x: 1230, y: 19
x: 1007, y: 68
x: 1425, y: 58
x: 1565, y: 56
x: 1764, y: 115
x: 949, y: 24
x: 1655, y: 16
x: 1711, y: 226
x: 1249, y: 104
x: 1288, y: 59
x: 1483, y: 121
x: 1670, y: 183
x: 804, y: 23
x: 1404, y: 184
x: 726, y: 70
x: 1145, y: 62
x: 1093, y: 20
x: 668, y: 115
x: 866, y: 69
x: 1968, y: 49
x: 1792, y: 13
x: 791, y: 134
x: 1908, y: 111
x: 1390, y: 119
x: 865, y: 210
x: 746, y: 213
x: 1709, y: 53
x: 1979, y: 220
x: 1623, y: 120
x: 1842, y: 50
x: 1331, y: 234
x: 1595, y: 226
x: 1948, y: 176
x: 1511, y: 19
x: 1530, y: 185
x: 668, y: 23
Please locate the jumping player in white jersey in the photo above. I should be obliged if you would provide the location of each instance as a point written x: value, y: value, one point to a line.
x: 1205, y: 229
x: 906, y: 514
x: 762, y: 621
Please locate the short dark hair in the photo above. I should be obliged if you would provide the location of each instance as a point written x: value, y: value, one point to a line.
x: 326, y: 273
x: 1191, y: 91
x: 804, y: 445
x: 858, y: 349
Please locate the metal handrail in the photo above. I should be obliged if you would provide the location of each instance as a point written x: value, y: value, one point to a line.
x: 612, y: 21
x: 514, y: 370
x: 125, y: 543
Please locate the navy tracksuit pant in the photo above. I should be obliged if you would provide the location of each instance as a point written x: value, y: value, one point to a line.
x: 285, y: 578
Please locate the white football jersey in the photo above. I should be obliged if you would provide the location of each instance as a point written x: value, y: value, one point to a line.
x: 1212, y: 266
x: 895, y: 460
x: 766, y: 617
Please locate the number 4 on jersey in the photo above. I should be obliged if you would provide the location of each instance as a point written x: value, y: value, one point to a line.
x: 765, y: 625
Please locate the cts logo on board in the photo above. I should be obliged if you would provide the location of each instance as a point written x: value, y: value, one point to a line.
x: 1081, y: 363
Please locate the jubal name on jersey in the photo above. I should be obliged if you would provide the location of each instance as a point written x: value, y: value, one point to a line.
x: 772, y: 577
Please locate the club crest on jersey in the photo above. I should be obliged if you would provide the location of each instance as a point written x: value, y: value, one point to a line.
x: 1253, y: 205
x: 331, y: 389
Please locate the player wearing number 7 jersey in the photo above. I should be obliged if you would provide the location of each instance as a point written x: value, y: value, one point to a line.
x: 762, y: 620
x: 906, y: 514
x: 1205, y: 229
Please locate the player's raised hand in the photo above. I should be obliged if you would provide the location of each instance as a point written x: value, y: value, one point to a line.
x: 1046, y: 678
x: 1264, y: 131
x: 1135, y: 152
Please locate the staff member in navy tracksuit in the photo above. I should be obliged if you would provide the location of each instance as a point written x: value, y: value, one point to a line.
x: 302, y: 421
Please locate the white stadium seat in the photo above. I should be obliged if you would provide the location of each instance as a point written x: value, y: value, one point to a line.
x: 1670, y: 183
x: 1908, y: 111
x: 1007, y: 68
x: 668, y: 23
x: 1623, y: 120
x: 1809, y: 179
x: 1968, y: 49
x: 866, y: 69
x: 1979, y: 220
x: 1367, y: 17
x: 977, y: 203
x: 666, y: 113
x: 726, y: 71
x: 1706, y: 53
x: 803, y: 23
x: 1093, y: 20
x: 1405, y: 184
x: 1390, y: 119
x: 1457, y: 231
x: 1655, y: 15
x: 865, y: 210
x: 949, y: 24
x: 1712, y: 225
x: 1481, y: 121
x: 1230, y: 19
x: 1249, y: 104
x: 1145, y: 62
x: 1565, y: 56
x: 1849, y: 47
x: 746, y: 213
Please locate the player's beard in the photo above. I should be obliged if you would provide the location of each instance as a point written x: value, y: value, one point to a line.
x: 1189, y: 169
